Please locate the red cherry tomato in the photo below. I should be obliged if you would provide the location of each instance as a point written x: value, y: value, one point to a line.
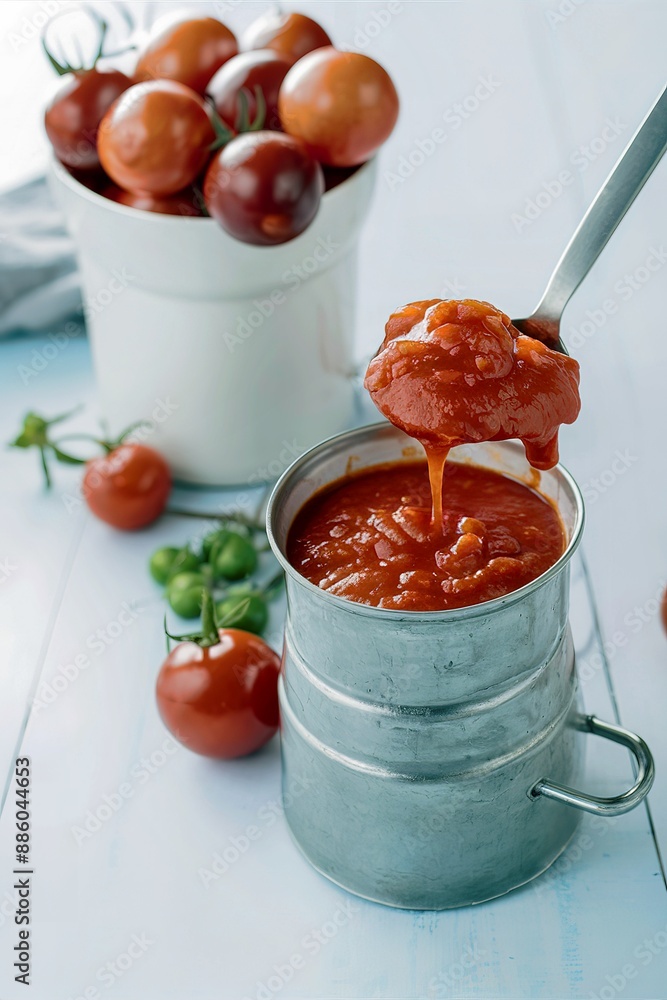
x: 222, y: 700
x: 291, y: 35
x: 156, y: 138
x: 263, y: 188
x: 186, y: 203
x: 129, y: 487
x: 186, y: 49
x: 74, y: 113
x: 342, y: 105
x: 264, y: 69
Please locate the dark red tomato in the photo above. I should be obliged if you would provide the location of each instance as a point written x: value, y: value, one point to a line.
x: 221, y: 701
x: 129, y: 487
x: 186, y: 49
x: 264, y: 69
x: 74, y: 113
x: 291, y: 35
x: 342, y: 105
x: 263, y: 188
x: 156, y: 137
x: 187, y: 202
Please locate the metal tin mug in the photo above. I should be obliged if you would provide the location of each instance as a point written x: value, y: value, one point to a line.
x: 433, y: 752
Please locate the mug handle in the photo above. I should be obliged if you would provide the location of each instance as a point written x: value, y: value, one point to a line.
x: 617, y: 804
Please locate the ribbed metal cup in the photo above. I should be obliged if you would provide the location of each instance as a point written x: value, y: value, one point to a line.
x: 415, y: 738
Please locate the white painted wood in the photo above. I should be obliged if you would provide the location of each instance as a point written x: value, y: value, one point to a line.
x: 447, y: 229
x: 139, y: 872
x: 39, y: 538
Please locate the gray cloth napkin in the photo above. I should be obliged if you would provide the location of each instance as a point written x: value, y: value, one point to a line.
x: 39, y: 283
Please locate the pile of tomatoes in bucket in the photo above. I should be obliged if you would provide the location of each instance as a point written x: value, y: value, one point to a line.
x: 252, y: 138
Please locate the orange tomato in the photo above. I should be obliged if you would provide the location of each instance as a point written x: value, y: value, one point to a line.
x: 155, y: 138
x: 186, y: 49
x: 290, y: 35
x: 341, y: 105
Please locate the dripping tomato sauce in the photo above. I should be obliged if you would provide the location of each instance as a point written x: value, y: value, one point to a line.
x: 436, y: 535
x: 370, y: 537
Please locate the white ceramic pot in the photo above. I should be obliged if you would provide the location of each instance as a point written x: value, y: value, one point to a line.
x: 240, y: 356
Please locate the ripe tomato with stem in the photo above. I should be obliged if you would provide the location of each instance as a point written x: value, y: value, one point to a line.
x: 84, y: 95
x: 127, y: 486
x: 263, y: 68
x: 217, y: 690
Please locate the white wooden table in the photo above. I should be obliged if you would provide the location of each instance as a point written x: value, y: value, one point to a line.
x: 140, y: 909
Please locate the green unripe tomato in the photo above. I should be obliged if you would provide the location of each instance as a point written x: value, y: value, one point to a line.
x: 207, y: 544
x: 212, y: 543
x: 235, y: 558
x: 184, y: 593
x: 185, y: 561
x: 245, y: 611
x: 161, y: 562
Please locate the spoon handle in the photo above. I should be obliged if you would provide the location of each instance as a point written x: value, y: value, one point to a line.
x: 612, y: 201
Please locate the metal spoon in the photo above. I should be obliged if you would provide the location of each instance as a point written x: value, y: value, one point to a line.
x: 641, y: 156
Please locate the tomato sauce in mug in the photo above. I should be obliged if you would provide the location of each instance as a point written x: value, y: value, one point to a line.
x: 435, y: 535
x: 369, y: 537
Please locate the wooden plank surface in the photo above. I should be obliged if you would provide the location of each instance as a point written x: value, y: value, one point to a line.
x: 596, y: 925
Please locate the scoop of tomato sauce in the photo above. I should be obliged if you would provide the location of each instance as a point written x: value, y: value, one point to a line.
x: 455, y: 372
x: 369, y: 537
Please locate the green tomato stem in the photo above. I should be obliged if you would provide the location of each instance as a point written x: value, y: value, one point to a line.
x: 63, y: 67
x: 64, y: 416
x: 65, y: 457
x: 209, y: 635
x: 234, y: 613
x: 221, y: 517
x: 104, y: 27
x: 243, y: 123
x: 260, y: 114
x: 108, y: 444
x: 223, y: 134
x: 45, y: 467
x: 209, y: 629
x: 35, y: 434
x: 167, y: 637
x: 126, y: 433
x: 188, y: 637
